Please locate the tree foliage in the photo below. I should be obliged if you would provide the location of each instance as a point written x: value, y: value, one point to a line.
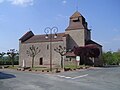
x: 111, y: 58
x: 1, y: 57
x: 89, y: 51
x: 5, y: 59
x: 12, y: 53
x: 2, y: 54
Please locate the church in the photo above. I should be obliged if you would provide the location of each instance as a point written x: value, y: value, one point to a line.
x: 76, y: 34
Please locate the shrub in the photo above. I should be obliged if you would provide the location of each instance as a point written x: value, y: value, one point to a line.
x: 8, y: 62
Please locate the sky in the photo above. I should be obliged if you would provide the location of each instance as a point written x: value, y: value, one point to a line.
x: 19, y: 16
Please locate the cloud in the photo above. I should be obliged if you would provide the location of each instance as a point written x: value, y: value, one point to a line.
x: 21, y: 2
x: 1, y: 1
x: 64, y: 1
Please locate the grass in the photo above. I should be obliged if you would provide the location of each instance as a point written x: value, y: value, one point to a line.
x: 34, y: 68
x: 40, y: 68
x: 74, y: 66
x: 43, y: 68
x: 11, y: 67
x: 70, y: 66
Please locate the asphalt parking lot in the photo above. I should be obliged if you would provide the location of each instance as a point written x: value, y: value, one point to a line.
x: 90, y: 79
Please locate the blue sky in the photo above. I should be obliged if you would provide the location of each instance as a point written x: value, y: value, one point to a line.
x: 17, y: 16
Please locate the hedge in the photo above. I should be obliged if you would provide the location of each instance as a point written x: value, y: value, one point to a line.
x: 8, y: 62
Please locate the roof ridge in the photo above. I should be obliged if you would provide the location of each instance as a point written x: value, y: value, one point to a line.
x: 48, y: 34
x: 76, y: 14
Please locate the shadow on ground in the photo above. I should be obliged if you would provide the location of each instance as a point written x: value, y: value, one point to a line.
x: 6, y: 76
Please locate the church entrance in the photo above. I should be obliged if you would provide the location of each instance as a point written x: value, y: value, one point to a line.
x: 41, y: 61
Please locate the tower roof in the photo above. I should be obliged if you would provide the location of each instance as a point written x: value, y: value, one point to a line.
x: 77, y: 21
x: 76, y: 14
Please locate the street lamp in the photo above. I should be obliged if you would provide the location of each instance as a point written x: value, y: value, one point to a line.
x: 51, y: 31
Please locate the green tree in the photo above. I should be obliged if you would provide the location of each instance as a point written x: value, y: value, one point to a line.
x: 118, y: 50
x: 2, y: 57
x: 116, y: 56
x: 111, y: 58
x: 108, y: 58
x: 32, y: 52
x: 12, y: 54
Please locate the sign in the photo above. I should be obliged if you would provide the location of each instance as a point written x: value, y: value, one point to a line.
x: 77, y: 58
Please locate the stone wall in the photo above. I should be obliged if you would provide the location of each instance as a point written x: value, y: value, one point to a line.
x: 76, y: 38
x: 44, y: 53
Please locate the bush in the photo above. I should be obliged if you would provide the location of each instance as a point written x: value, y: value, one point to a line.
x: 111, y: 58
x: 8, y: 62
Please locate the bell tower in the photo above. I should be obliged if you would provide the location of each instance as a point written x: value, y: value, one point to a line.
x: 77, y: 30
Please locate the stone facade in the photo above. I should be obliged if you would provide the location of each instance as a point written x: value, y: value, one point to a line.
x: 44, y: 54
x: 75, y: 35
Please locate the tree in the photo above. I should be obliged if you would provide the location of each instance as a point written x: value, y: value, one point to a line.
x: 107, y: 57
x: 2, y: 54
x: 61, y: 50
x: 111, y: 58
x: 118, y: 50
x: 116, y: 56
x: 12, y: 54
x: 1, y: 57
x: 87, y: 51
x: 32, y: 52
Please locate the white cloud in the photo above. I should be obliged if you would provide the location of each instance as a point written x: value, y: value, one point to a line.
x: 64, y: 1
x: 1, y: 1
x: 21, y: 2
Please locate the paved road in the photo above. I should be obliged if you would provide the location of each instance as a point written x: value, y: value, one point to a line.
x: 92, y: 79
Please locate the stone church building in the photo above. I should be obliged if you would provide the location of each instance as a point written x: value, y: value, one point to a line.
x: 76, y: 34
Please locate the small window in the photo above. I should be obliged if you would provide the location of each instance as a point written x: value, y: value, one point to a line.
x: 47, y: 47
